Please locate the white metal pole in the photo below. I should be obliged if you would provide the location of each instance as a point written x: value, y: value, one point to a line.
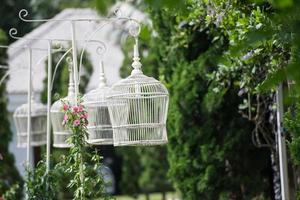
x: 29, y: 111
x: 75, y: 66
x: 49, y: 106
x: 282, y: 147
x: 29, y: 107
x: 76, y: 80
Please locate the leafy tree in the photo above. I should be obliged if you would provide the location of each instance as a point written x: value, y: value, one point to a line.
x: 292, y: 126
x: 41, y: 185
x: 131, y: 171
x: 154, y: 170
x: 9, y: 175
x: 210, y: 148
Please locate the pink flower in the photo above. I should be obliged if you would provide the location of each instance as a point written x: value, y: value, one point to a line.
x: 75, y: 109
x: 76, y: 122
x: 66, y: 106
x: 80, y: 108
x: 65, y: 119
x: 84, y: 116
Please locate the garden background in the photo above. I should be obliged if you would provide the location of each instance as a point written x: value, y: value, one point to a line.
x: 221, y: 62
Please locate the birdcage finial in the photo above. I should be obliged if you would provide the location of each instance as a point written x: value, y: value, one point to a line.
x: 137, y: 65
x: 102, y: 77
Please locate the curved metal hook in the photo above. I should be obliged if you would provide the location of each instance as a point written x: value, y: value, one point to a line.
x: 4, y: 77
x: 13, y: 32
x: 22, y: 14
x: 133, y: 31
x: 69, y: 60
x: 57, y: 65
x: 8, y: 73
x: 44, y: 57
x: 100, y: 50
x: 60, y: 47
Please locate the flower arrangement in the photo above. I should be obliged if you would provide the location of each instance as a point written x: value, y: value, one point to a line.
x: 81, y: 162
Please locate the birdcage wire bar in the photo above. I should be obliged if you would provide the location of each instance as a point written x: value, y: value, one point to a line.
x: 99, y: 127
x: 38, y: 124
x: 61, y: 134
x: 138, y: 108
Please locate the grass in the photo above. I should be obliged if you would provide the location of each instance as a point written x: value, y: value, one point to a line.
x: 154, y: 196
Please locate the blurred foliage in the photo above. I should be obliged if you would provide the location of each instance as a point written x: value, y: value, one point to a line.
x: 39, y: 184
x: 292, y: 125
x: 12, y: 192
x: 210, y: 149
x: 154, y: 168
x: 9, y: 174
x: 131, y: 171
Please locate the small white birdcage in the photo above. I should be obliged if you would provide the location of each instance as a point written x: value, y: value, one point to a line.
x: 99, y: 126
x: 38, y: 133
x: 61, y: 133
x: 138, y: 108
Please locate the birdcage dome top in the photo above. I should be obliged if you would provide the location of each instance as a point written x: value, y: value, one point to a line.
x: 96, y: 96
x: 37, y: 109
x: 138, y: 84
x: 58, y: 105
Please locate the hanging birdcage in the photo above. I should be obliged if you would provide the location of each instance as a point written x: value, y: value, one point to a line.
x: 38, y: 133
x: 99, y: 126
x: 138, y: 108
x: 61, y: 133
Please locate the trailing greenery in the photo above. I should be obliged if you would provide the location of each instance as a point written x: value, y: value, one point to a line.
x: 12, y: 193
x: 39, y: 184
x: 59, y: 90
x: 9, y: 175
x: 84, y: 167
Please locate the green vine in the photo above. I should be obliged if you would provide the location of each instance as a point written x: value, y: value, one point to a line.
x: 80, y: 163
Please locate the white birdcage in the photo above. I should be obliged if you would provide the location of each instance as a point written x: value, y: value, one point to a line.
x: 61, y: 133
x: 38, y: 133
x: 138, y: 108
x: 99, y: 126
